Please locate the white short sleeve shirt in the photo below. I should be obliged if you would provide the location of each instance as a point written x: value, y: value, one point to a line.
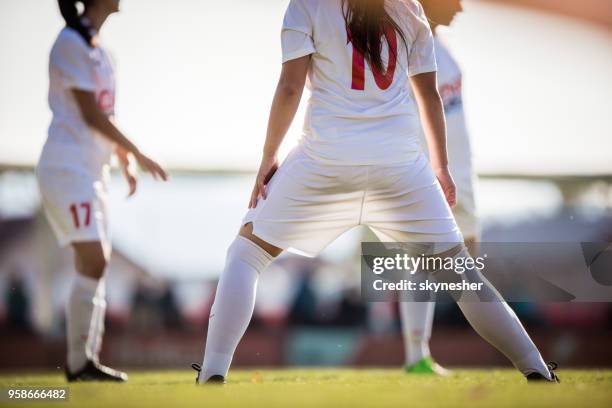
x: 355, y: 114
x: 73, y: 64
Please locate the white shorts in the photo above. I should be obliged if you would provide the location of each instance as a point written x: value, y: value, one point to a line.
x: 310, y: 204
x: 466, y: 214
x: 75, y: 203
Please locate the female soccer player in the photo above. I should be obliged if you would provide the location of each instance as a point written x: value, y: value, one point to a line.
x: 417, y: 317
x: 72, y: 174
x: 358, y: 162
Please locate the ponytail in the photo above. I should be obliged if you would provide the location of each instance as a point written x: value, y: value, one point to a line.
x: 70, y: 12
x: 366, y: 23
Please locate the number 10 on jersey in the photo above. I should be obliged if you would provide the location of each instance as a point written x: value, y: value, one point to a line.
x: 383, y: 80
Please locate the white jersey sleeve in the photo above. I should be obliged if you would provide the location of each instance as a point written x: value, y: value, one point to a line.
x: 297, y: 33
x: 70, y: 58
x: 422, y: 53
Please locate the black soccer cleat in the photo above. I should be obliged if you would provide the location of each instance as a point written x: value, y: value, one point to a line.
x: 537, y: 377
x: 214, y: 380
x: 96, y: 372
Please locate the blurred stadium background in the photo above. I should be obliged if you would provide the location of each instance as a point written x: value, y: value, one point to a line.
x: 196, y: 79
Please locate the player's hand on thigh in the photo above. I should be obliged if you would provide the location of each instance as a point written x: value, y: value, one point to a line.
x: 448, y: 185
x: 91, y: 259
x: 268, y: 167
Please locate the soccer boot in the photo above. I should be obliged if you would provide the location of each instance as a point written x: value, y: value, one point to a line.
x: 93, y: 371
x: 215, y: 379
x: 537, y: 377
x: 426, y: 365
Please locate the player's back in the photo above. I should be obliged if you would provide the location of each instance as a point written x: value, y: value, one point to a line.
x: 356, y: 114
x: 75, y: 65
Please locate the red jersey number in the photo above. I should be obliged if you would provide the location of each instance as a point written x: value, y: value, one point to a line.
x: 383, y: 80
x: 79, y: 220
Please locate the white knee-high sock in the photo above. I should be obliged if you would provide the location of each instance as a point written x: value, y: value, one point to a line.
x: 79, y: 318
x: 233, y: 306
x: 416, y: 319
x: 496, y: 322
x: 96, y: 332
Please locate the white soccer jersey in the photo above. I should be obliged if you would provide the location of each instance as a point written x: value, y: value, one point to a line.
x: 356, y: 115
x: 75, y: 65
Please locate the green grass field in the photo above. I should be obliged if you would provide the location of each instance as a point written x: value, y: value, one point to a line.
x: 332, y: 388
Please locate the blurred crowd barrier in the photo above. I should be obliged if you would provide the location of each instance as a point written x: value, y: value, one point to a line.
x: 309, y: 311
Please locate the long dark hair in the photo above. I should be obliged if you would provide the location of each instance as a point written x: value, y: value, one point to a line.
x: 70, y: 12
x: 366, y: 22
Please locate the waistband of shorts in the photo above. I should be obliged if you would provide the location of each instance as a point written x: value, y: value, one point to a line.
x: 410, y: 155
x: 63, y: 156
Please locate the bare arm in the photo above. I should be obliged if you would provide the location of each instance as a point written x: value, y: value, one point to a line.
x: 98, y: 120
x: 432, y: 116
x: 129, y: 172
x: 284, y: 107
x: 434, y: 124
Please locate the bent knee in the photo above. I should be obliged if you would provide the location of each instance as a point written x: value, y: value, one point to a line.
x: 90, y: 260
x: 94, y: 269
x: 246, y: 231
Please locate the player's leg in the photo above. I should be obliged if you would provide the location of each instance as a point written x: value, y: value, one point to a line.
x: 308, y: 205
x: 247, y: 257
x: 406, y: 204
x: 85, y: 313
x: 82, y: 330
x: 98, y: 322
x: 492, y: 318
x: 417, y: 317
x: 74, y: 202
x: 416, y: 320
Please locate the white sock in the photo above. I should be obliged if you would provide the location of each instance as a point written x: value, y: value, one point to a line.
x: 233, y: 306
x: 416, y: 319
x: 96, y: 332
x: 496, y: 322
x: 79, y: 318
